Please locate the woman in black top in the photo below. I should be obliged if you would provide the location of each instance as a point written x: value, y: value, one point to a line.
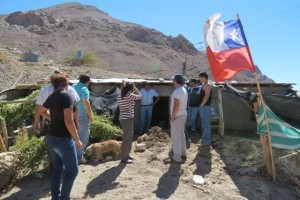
x: 61, y: 139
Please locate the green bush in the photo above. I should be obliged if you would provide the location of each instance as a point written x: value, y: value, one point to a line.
x: 21, y: 139
x: 32, y: 156
x: 15, y: 114
x: 103, y: 129
x: 87, y: 59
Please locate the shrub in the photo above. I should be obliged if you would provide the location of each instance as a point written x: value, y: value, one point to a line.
x: 32, y: 155
x: 21, y: 139
x: 103, y: 129
x: 88, y: 58
x: 15, y: 114
x: 3, y: 57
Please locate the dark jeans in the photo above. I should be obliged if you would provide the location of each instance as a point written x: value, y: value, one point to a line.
x: 65, y: 166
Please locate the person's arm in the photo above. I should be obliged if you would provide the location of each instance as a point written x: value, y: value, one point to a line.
x: 175, y: 108
x: 137, y: 92
x: 37, y: 126
x: 135, y: 95
x: 88, y: 109
x: 39, y: 102
x: 76, y: 115
x: 157, y: 99
x: 207, y: 89
x: 44, y: 112
x: 69, y: 121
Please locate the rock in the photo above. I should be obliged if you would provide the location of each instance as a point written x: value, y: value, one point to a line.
x: 35, y: 21
x: 143, y: 138
x: 141, y: 147
x: 8, y: 165
x: 156, y: 129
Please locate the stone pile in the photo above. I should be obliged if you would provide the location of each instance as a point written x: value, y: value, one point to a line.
x: 155, y: 136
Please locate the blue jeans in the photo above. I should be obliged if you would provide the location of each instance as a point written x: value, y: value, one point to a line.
x: 205, y: 113
x: 64, y: 166
x: 145, y: 118
x: 84, y: 133
x: 192, y: 115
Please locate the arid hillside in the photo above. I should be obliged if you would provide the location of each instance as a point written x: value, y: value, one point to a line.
x: 120, y: 46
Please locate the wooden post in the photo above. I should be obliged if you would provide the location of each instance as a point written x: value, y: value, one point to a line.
x: 266, y: 140
x: 2, y: 145
x: 221, y: 117
x: 4, y: 133
x: 3, y: 136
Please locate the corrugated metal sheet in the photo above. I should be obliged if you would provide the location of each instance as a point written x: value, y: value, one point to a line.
x: 254, y: 83
x: 119, y: 80
x: 161, y: 81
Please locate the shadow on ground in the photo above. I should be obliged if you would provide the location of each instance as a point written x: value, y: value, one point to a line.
x: 241, y: 153
x: 105, y: 181
x: 32, y: 188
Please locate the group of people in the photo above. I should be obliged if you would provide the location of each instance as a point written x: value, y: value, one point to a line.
x: 186, y: 103
x: 68, y: 110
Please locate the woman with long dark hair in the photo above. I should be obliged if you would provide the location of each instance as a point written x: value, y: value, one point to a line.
x: 61, y: 139
x: 129, y: 94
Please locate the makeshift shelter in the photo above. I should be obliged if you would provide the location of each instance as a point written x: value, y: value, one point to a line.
x: 237, y: 114
x: 105, y: 91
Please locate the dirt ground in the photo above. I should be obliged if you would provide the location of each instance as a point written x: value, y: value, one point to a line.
x: 223, y: 166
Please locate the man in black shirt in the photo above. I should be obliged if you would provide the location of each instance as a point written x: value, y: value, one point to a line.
x: 205, y: 107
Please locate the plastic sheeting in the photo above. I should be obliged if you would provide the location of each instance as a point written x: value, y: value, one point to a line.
x: 105, y: 103
x: 284, y: 106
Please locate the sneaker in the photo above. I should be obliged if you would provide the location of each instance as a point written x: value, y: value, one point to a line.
x: 82, y: 161
x: 130, y: 158
x: 129, y: 161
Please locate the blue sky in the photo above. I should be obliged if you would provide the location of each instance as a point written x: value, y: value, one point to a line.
x: 272, y: 27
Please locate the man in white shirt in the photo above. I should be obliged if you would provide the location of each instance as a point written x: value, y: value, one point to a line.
x: 146, y: 107
x: 44, y: 94
x: 178, y: 109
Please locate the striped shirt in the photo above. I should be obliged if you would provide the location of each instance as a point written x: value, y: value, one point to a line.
x: 126, y: 105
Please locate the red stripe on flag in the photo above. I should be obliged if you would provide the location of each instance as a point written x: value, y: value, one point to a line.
x: 226, y: 64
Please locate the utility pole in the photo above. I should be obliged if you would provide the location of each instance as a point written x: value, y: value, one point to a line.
x: 184, y: 65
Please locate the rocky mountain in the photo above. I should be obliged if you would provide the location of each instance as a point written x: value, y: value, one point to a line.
x: 122, y: 47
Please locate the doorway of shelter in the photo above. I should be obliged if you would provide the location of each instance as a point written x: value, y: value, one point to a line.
x: 161, y: 113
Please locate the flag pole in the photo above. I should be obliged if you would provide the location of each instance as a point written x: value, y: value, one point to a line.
x: 268, y: 142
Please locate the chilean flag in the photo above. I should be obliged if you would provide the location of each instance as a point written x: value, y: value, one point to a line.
x: 227, y: 49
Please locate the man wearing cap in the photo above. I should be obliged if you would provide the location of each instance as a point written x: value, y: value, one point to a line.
x: 178, y: 109
x: 146, y: 107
